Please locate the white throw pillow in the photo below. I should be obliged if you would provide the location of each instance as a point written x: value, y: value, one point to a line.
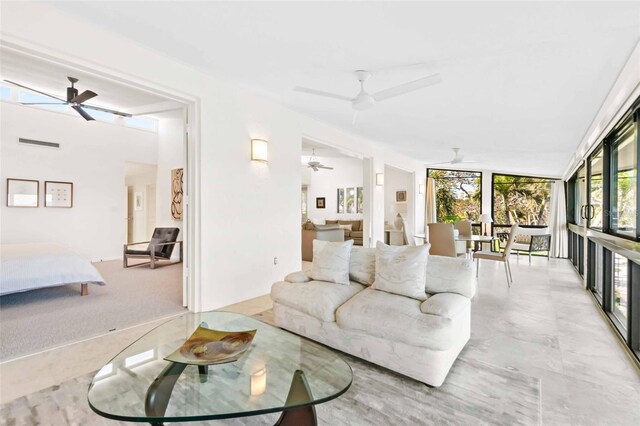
x: 346, y: 227
x: 331, y: 261
x: 402, y: 269
x: 362, y: 265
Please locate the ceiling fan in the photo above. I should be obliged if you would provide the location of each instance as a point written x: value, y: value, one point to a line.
x: 365, y: 100
x: 314, y: 164
x: 458, y: 158
x: 73, y: 98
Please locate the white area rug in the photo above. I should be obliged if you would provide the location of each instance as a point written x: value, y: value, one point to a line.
x: 45, y: 318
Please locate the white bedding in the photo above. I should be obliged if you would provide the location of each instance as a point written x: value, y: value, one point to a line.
x: 26, y: 267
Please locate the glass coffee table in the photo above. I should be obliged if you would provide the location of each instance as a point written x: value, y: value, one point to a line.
x: 280, y: 372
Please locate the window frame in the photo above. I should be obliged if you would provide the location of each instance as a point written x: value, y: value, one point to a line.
x: 493, y: 175
x: 429, y: 169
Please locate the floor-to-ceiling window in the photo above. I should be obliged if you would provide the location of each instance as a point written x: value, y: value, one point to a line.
x: 458, y: 194
x: 624, y: 171
x: 594, y: 208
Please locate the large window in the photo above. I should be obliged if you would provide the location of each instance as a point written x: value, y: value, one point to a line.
x: 458, y: 194
x: 521, y: 199
x: 596, y: 186
x: 624, y: 169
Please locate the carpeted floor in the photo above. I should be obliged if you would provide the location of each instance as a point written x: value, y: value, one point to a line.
x: 474, y: 393
x: 40, y: 319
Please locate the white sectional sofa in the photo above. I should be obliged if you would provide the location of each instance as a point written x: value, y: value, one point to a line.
x: 420, y: 339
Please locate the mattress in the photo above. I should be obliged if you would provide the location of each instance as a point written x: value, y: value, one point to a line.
x: 25, y: 267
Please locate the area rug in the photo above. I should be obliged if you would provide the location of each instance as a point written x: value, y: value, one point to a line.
x: 473, y: 394
x: 46, y: 318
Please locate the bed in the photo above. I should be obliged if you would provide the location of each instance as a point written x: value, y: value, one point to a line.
x: 25, y: 267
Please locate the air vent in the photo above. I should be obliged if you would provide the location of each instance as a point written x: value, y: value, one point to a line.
x: 39, y: 143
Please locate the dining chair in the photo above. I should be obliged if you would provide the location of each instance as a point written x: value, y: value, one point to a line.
x: 500, y: 257
x: 409, y: 239
x: 464, y: 229
x: 442, y: 240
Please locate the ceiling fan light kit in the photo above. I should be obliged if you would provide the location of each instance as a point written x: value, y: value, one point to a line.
x: 75, y: 99
x: 365, y: 100
x: 314, y: 164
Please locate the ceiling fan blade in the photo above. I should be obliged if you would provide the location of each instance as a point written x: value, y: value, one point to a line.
x: 82, y: 112
x: 446, y: 163
x: 321, y: 93
x: 34, y: 90
x: 84, y: 96
x: 43, y: 103
x: 315, y: 169
x: 355, y: 117
x: 407, y: 87
x: 110, y: 111
x: 325, y: 167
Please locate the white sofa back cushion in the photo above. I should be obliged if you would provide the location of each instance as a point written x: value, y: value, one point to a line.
x: 362, y: 265
x: 402, y: 270
x: 450, y: 275
x: 331, y: 261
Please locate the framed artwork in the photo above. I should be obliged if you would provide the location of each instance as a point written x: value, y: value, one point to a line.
x: 351, y: 200
x: 401, y: 196
x: 138, y: 201
x: 360, y: 200
x: 341, y: 205
x: 23, y: 193
x: 320, y: 203
x: 58, y: 194
x: 177, y: 177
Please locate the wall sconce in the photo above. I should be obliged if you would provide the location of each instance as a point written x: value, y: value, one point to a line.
x: 421, y: 188
x: 259, y: 382
x: 379, y: 179
x: 259, y: 150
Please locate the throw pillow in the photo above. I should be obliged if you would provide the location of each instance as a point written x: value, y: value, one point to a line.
x: 402, y: 270
x: 346, y: 227
x: 331, y: 261
x: 362, y: 265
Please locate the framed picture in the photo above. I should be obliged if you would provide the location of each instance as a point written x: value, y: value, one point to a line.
x: 138, y: 201
x: 320, y: 203
x: 23, y: 193
x: 401, y: 196
x: 177, y: 176
x: 58, y: 194
x: 351, y: 200
x: 360, y: 200
x: 340, y: 200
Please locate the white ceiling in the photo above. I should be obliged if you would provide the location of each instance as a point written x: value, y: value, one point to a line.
x: 521, y: 81
x: 52, y: 78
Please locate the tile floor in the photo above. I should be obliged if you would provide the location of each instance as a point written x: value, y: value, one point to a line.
x: 545, y: 326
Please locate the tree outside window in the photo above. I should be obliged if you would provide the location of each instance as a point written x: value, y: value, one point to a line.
x: 521, y: 199
x: 458, y: 194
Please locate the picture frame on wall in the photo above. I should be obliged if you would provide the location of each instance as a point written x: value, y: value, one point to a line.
x: 23, y: 193
x: 320, y: 203
x: 341, y: 197
x: 138, y: 201
x: 351, y: 200
x: 360, y: 200
x: 58, y: 194
x: 401, y: 196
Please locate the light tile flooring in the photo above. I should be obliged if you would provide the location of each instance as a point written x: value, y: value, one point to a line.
x: 545, y: 326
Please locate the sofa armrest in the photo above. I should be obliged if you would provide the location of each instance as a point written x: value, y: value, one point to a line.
x: 297, y: 277
x: 447, y: 305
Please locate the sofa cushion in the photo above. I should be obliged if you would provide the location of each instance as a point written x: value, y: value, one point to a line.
x: 316, y: 298
x: 447, y: 305
x: 362, y: 265
x: 357, y: 234
x: 331, y: 261
x: 395, y: 318
x: 355, y: 224
x: 401, y: 269
x: 450, y: 275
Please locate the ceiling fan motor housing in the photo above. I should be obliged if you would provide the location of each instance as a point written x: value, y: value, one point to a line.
x: 72, y: 92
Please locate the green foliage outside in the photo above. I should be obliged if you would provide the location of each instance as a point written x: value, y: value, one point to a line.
x: 522, y: 200
x: 457, y: 195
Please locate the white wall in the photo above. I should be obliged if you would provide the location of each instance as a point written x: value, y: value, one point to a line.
x: 246, y: 213
x: 346, y: 173
x: 92, y: 156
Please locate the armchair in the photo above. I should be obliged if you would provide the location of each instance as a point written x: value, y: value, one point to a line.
x: 159, y: 247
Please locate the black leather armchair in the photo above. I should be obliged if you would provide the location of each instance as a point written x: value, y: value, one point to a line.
x: 159, y: 247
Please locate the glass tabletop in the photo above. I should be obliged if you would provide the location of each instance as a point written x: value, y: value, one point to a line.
x: 139, y: 385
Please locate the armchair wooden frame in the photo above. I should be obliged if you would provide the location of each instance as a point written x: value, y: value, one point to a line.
x: 153, y: 257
